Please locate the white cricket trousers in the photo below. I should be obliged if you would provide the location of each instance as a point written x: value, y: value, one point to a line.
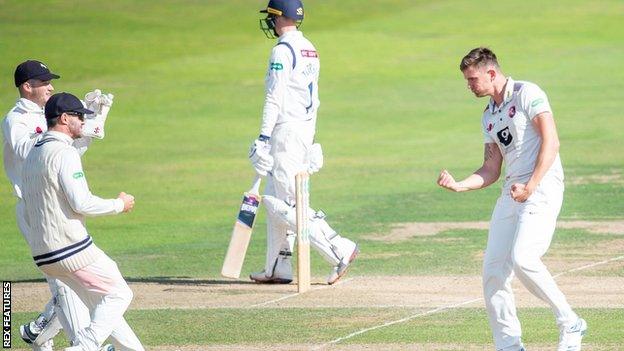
x: 73, y: 315
x: 520, y: 234
x: 106, y: 294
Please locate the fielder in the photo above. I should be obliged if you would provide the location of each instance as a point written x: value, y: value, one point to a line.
x: 22, y: 128
x: 286, y: 146
x: 519, y: 128
x: 56, y: 201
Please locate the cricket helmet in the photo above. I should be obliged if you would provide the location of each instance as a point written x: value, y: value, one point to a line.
x: 292, y: 9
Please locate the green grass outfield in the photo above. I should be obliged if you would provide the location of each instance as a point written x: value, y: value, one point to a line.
x: 188, y: 82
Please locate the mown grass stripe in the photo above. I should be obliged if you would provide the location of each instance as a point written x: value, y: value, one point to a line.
x: 449, y: 307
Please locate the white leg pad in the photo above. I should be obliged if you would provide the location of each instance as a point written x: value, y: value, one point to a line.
x: 327, y: 242
x: 279, y: 249
x: 278, y: 262
x: 323, y: 238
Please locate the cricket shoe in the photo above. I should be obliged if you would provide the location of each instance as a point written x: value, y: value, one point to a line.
x: 570, y: 338
x: 261, y: 278
x: 29, y: 332
x: 341, y: 268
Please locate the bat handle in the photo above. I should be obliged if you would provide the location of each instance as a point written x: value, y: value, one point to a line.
x: 255, y: 188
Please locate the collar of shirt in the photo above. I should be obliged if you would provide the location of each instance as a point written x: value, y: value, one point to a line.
x: 507, y: 96
x: 289, y: 34
x: 60, y: 136
x: 29, y: 106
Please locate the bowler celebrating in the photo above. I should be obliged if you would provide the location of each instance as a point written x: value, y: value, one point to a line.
x: 518, y: 127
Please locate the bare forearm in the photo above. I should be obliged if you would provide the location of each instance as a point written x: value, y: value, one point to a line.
x: 545, y: 158
x: 480, y: 179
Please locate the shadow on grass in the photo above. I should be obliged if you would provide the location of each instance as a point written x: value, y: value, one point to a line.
x: 164, y: 280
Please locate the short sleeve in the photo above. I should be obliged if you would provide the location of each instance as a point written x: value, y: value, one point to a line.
x: 533, y: 100
x: 487, y: 138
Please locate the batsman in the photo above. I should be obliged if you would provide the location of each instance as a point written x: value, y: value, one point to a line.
x: 286, y: 146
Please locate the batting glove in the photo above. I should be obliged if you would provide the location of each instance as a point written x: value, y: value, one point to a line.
x: 315, y: 158
x: 260, y: 156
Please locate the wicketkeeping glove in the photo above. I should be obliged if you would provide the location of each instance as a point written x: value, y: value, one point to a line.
x: 260, y: 156
x: 100, y: 104
x: 315, y: 158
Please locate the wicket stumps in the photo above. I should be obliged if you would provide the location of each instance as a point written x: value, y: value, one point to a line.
x: 302, y: 190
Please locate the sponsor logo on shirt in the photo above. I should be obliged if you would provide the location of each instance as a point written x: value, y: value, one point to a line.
x: 505, y: 136
x: 537, y: 102
x: 78, y: 175
x: 309, y: 53
x: 512, y: 111
x: 276, y: 66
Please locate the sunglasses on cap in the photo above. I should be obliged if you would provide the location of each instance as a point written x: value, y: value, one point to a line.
x: 80, y: 115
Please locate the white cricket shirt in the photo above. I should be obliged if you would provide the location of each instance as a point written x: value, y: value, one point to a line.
x: 510, y: 127
x: 22, y: 128
x: 291, y: 84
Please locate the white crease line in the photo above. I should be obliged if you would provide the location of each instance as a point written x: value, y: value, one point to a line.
x: 342, y: 281
x: 590, y: 266
x: 395, y: 322
x: 359, y: 332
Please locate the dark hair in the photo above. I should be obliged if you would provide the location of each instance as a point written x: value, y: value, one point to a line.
x: 52, y: 122
x: 478, y: 57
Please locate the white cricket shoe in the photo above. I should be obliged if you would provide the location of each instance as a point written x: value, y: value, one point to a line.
x: 261, y: 278
x: 341, y: 269
x: 570, y: 338
x: 30, y: 331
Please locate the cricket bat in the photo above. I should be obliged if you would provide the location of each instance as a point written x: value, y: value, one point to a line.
x: 241, y: 235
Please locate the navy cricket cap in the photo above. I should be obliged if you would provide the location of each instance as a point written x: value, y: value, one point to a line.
x: 292, y: 9
x: 64, y: 102
x: 32, y: 69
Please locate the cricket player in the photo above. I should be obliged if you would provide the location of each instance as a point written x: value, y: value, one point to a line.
x: 519, y: 129
x: 56, y: 201
x: 23, y: 126
x: 286, y: 146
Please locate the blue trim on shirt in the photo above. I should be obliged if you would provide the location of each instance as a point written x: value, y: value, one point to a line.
x: 43, y: 141
x: 291, y: 50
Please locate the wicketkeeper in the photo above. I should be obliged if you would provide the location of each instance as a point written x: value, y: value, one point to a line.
x: 286, y: 146
x: 22, y: 128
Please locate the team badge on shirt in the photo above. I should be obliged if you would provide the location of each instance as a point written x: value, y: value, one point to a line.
x: 512, y: 111
x: 38, y: 130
